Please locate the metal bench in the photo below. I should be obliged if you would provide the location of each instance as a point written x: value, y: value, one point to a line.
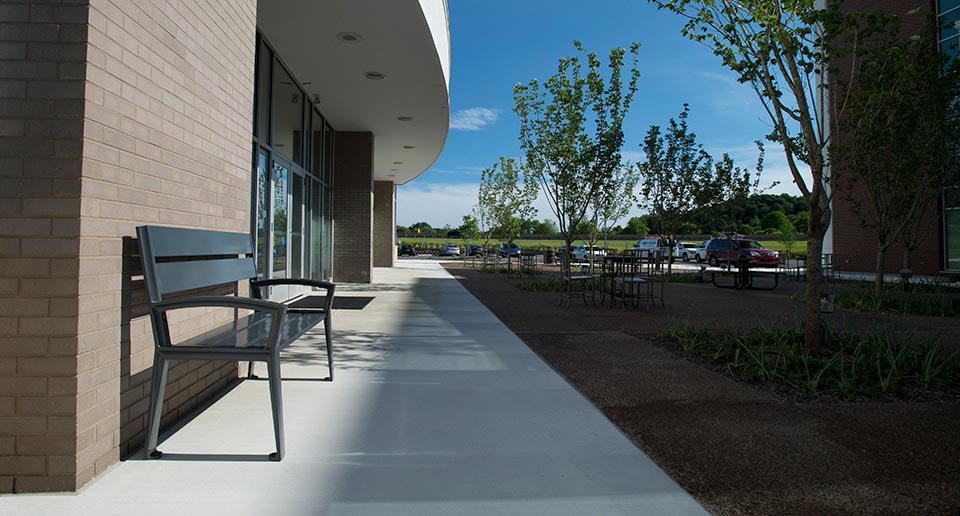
x: 178, y: 261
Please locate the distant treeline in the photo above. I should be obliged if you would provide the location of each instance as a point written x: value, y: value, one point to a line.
x: 764, y: 214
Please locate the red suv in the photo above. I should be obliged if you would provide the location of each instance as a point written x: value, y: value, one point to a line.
x: 732, y: 250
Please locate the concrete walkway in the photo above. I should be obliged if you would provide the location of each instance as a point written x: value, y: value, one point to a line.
x: 437, y: 409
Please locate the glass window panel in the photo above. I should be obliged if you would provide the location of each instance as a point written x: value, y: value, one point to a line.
x: 316, y: 221
x: 297, y: 206
x: 952, y: 198
x: 260, y: 229
x: 280, y: 219
x: 946, y: 5
x: 264, y: 59
x: 328, y: 146
x: 948, y: 24
x: 952, y: 234
x: 317, y: 149
x: 328, y: 233
x: 949, y: 47
x: 287, y: 115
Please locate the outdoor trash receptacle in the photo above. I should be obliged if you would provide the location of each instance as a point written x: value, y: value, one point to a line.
x: 827, y: 303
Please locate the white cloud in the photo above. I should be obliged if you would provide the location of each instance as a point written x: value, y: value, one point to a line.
x: 437, y: 204
x: 473, y: 119
x: 446, y: 204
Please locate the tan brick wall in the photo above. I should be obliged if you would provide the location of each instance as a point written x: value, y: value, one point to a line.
x: 167, y: 141
x: 42, y: 49
x: 384, y: 226
x: 353, y: 207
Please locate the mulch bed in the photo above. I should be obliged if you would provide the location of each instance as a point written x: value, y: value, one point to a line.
x: 737, y: 448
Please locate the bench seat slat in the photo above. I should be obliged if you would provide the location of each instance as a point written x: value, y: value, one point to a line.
x: 251, y: 332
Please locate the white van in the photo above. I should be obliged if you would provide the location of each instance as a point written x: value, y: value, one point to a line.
x: 658, y: 244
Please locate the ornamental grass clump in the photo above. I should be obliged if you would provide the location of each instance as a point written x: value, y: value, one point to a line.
x: 872, y: 365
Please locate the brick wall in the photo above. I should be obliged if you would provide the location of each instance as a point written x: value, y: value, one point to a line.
x: 384, y: 226
x: 112, y: 114
x: 42, y: 53
x: 166, y: 141
x: 353, y: 207
x: 855, y: 246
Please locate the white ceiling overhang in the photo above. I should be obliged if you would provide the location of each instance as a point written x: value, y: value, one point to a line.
x: 405, y: 40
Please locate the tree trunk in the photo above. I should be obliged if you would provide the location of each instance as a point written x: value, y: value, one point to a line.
x: 878, y: 280
x: 816, y: 230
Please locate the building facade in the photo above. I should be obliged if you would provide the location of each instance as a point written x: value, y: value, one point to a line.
x: 938, y: 234
x: 290, y: 120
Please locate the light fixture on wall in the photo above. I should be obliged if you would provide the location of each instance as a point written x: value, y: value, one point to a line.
x: 375, y: 76
x: 405, y: 118
x: 409, y: 147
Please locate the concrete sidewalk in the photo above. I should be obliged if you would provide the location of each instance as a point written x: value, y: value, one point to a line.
x: 437, y: 409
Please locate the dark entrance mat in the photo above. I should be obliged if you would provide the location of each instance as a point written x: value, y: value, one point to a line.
x: 339, y: 303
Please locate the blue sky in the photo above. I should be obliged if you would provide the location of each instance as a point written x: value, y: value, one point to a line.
x: 498, y: 43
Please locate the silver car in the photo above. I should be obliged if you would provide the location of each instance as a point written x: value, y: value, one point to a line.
x: 450, y: 250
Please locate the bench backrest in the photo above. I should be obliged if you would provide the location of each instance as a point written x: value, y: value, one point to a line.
x: 178, y: 259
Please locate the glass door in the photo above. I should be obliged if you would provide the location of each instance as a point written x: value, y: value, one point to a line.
x: 298, y: 205
x: 280, y: 216
x: 261, y: 237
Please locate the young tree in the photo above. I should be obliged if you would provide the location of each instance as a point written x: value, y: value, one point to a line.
x: 897, y: 137
x: 571, y: 131
x: 481, y: 214
x: 470, y: 228
x: 775, y: 47
x: 507, y: 193
x: 677, y: 176
x: 612, y: 203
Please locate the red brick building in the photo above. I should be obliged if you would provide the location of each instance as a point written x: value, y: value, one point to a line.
x: 854, y: 247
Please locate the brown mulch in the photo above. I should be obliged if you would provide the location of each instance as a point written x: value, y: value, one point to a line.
x: 739, y: 449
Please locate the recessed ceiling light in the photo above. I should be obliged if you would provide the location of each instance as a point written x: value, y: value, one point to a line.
x: 405, y: 118
x: 375, y: 76
x: 398, y: 163
x: 394, y: 169
x: 391, y: 175
x: 349, y: 37
x: 409, y: 147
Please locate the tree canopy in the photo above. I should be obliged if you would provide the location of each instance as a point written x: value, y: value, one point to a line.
x: 571, y: 130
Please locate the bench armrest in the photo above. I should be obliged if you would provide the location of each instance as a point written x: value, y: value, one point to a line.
x: 329, y: 287
x: 161, y: 331
x: 259, y: 305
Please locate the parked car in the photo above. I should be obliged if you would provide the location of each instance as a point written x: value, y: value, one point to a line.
x: 512, y: 250
x: 560, y: 252
x: 473, y: 250
x: 449, y: 249
x: 582, y: 253
x: 702, y: 251
x: 406, y: 250
x: 732, y: 250
x: 454, y: 234
x: 688, y: 251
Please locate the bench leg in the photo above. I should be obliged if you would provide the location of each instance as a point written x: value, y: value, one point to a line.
x: 157, y: 385
x: 328, y: 330
x: 276, y: 404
